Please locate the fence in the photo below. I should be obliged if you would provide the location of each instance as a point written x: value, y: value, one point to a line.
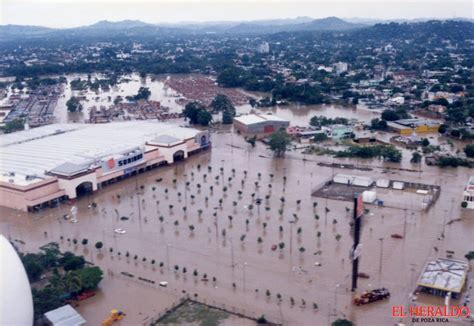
x: 242, y: 313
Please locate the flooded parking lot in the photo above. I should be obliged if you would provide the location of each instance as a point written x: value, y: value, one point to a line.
x: 199, y: 217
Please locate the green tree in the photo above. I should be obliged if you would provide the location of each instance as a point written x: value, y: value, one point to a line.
x: 204, y: 117
x: 90, y: 277
x: 342, y: 322
x: 469, y: 150
x: 14, y: 125
x: 390, y: 115
x: 415, y: 157
x: 32, y: 267
x: 279, y: 142
x: 320, y: 137
x: 99, y: 245
x: 74, y: 105
x: 143, y: 93
x: 71, y: 262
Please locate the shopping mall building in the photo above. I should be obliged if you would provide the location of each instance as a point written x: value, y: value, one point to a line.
x: 41, y: 166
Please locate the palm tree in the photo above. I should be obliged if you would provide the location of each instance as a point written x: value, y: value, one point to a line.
x: 264, y: 225
x: 242, y: 237
x: 161, y: 218
x: 195, y: 273
x: 247, y: 222
x: 85, y: 241
x: 99, y: 245
x: 259, y: 240
x: 280, y: 228
x: 176, y: 268
x: 282, y: 199
x: 299, y: 230
x: 298, y: 202
x: 184, y: 270
x: 334, y: 221
x: 292, y: 301
x: 230, y: 219
x: 279, y: 296
x: 176, y: 223
x: 281, y: 245
x: 315, y: 306
x: 191, y: 228
x: 268, y: 293
x: 338, y: 237
x: 302, y: 249
x: 153, y: 262
x: 318, y: 234
x: 224, y: 232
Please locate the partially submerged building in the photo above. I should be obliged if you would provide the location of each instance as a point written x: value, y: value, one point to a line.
x: 259, y: 124
x: 42, y: 166
x: 444, y: 276
x: 468, y: 195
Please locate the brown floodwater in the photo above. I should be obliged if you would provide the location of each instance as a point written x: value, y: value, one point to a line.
x: 247, y: 263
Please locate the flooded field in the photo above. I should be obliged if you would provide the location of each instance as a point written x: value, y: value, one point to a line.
x: 203, y: 220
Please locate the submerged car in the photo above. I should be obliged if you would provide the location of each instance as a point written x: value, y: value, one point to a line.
x: 371, y: 296
x: 120, y: 231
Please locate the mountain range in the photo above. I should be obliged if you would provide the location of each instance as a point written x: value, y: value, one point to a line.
x: 138, y: 28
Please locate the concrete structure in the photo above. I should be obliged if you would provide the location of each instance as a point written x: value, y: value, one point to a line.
x: 64, y: 316
x: 42, y: 166
x: 444, y: 276
x: 341, y: 67
x: 339, y: 132
x: 263, y: 47
x: 468, y: 195
x: 16, y: 301
x: 409, y: 126
x: 259, y: 124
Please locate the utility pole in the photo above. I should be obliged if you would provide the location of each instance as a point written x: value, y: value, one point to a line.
x: 381, y: 256
x: 405, y: 224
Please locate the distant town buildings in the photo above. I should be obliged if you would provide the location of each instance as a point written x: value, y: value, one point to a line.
x: 263, y: 47
x: 341, y: 67
x: 468, y: 195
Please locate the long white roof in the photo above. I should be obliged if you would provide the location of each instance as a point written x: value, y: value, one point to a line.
x: 257, y: 118
x: 33, y: 152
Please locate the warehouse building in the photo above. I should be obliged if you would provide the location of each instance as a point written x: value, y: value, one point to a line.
x: 45, y: 165
x: 443, y: 276
x: 259, y: 124
x: 409, y: 126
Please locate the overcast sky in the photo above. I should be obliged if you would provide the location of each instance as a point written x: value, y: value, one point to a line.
x: 71, y: 13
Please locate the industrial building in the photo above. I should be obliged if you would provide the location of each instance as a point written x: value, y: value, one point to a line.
x: 409, y: 126
x: 48, y: 164
x: 259, y: 124
x: 443, y: 276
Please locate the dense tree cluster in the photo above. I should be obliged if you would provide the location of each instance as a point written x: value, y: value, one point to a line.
x: 197, y: 114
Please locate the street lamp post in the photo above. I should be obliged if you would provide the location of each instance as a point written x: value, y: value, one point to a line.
x: 245, y: 264
x: 381, y: 255
x: 168, y: 245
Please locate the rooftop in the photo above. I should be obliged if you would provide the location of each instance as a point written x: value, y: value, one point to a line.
x: 65, y: 316
x: 28, y: 155
x: 257, y: 118
x: 444, y: 274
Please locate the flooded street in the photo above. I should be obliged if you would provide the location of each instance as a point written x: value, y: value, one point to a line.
x: 230, y: 237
